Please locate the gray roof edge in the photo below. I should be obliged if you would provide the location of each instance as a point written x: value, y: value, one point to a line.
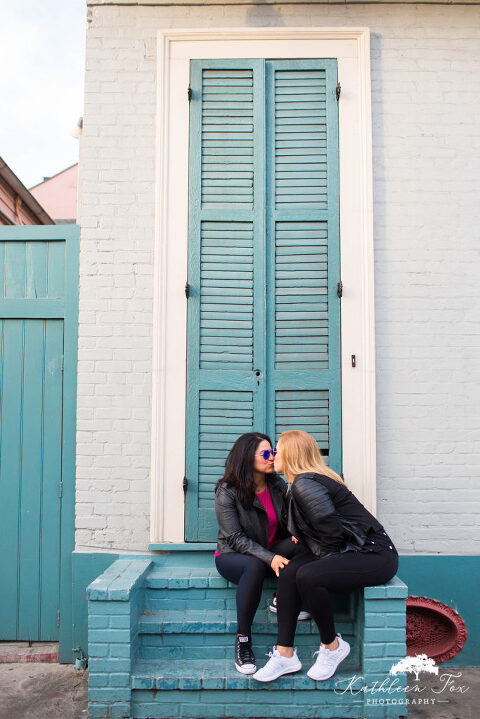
x: 52, y: 177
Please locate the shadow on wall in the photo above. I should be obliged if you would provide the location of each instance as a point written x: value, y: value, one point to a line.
x: 264, y: 14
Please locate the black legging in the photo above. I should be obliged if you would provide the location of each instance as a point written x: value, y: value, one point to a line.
x: 249, y: 572
x: 307, y: 582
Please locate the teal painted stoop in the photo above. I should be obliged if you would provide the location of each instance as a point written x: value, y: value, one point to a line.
x: 161, y: 634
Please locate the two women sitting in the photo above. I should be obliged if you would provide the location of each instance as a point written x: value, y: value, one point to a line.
x: 315, y: 537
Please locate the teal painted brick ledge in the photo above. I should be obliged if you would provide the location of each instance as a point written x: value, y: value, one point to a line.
x: 119, y: 580
x: 394, y: 589
x: 182, y: 547
x: 121, y: 590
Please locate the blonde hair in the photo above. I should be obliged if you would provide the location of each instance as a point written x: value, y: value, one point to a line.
x: 300, y: 454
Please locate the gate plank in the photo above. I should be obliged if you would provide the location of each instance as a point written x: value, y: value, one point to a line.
x: 10, y: 467
x: 52, y: 476
x: 31, y: 480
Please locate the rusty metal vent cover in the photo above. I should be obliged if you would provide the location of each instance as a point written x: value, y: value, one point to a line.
x: 434, y: 629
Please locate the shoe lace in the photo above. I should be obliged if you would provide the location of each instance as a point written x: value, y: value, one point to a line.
x: 246, y: 653
x: 325, y: 654
x: 274, y: 657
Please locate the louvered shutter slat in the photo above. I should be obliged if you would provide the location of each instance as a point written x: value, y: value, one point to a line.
x: 300, y: 138
x: 221, y: 421
x: 307, y: 410
x: 227, y: 137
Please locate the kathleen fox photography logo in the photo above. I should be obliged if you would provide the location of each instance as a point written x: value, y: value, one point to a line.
x: 417, y: 664
x: 393, y: 691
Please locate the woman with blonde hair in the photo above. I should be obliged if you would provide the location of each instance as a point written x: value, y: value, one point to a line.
x: 347, y: 549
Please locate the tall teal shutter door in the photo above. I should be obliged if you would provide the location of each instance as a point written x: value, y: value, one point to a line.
x: 225, y: 318
x: 263, y: 316
x: 303, y: 249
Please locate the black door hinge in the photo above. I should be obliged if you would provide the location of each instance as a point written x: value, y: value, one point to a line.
x: 340, y: 289
x: 189, y: 93
x: 185, y: 484
x: 187, y: 290
x: 338, y: 90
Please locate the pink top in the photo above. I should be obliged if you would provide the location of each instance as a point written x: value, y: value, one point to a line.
x: 266, y: 500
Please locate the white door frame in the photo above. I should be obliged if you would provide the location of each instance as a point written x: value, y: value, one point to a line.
x: 351, y: 48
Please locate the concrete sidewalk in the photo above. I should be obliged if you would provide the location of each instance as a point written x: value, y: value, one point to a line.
x: 42, y: 691
x: 36, y: 690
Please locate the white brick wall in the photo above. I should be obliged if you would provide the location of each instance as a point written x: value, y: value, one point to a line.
x: 426, y: 94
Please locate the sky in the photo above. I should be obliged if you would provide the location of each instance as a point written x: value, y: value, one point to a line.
x: 42, y: 58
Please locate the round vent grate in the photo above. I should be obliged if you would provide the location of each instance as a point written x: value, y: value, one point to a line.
x: 434, y: 629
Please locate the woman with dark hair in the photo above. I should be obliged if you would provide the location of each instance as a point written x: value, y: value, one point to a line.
x: 346, y: 548
x: 252, y: 537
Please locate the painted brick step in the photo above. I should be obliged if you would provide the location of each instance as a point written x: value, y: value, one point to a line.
x: 221, y: 646
x: 214, y: 689
x: 206, y: 587
x: 212, y: 622
x: 221, y: 674
x: 218, y: 705
x: 219, y: 599
x: 222, y: 599
x: 186, y: 648
x: 280, y: 706
x: 186, y: 578
x: 181, y: 578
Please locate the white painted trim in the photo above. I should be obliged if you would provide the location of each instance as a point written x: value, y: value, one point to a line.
x: 351, y: 47
x: 157, y: 450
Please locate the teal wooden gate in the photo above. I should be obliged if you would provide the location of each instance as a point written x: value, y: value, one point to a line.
x: 38, y: 331
x: 263, y: 312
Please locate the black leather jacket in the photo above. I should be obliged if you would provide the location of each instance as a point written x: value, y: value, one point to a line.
x: 246, y: 530
x: 327, y: 517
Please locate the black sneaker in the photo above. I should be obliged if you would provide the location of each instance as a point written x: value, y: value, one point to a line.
x: 244, y: 657
x: 273, y: 608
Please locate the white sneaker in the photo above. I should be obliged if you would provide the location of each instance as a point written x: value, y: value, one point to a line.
x: 328, y: 660
x: 302, y: 615
x: 278, y: 665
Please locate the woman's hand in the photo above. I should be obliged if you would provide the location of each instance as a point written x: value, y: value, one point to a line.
x: 278, y: 562
x: 294, y: 539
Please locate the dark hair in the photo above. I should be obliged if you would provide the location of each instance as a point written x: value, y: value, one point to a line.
x: 239, y: 466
